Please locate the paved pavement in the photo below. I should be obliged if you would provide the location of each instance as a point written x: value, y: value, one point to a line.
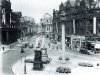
x: 50, y: 69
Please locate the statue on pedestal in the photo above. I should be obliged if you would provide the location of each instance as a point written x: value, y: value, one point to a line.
x: 41, y: 55
x: 38, y: 65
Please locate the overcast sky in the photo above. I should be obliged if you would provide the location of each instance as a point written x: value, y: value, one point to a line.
x: 35, y: 8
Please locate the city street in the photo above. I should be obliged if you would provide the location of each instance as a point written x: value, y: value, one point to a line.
x: 16, y: 63
x: 10, y: 57
x: 50, y: 69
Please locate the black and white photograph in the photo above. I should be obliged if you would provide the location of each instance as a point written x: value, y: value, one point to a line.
x: 49, y: 37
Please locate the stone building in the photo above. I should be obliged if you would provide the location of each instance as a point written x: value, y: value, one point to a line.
x: 9, y: 23
x: 27, y: 26
x: 46, y: 23
x: 81, y: 17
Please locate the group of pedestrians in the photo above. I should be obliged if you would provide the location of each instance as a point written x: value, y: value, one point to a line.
x: 4, y: 48
x: 54, y: 46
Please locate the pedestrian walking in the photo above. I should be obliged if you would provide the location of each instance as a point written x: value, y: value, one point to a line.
x: 57, y: 47
x: 22, y: 50
x: 3, y: 48
x: 49, y: 45
x: 97, y: 65
x: 10, y: 46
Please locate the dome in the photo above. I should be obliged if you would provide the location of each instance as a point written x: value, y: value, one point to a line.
x: 47, y: 19
x: 47, y: 16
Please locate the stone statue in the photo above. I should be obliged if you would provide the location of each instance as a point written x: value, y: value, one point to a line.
x: 40, y: 42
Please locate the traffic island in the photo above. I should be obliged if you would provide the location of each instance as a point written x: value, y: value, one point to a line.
x: 63, y: 70
x: 85, y: 64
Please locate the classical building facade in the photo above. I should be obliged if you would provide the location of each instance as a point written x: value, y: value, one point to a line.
x: 46, y: 23
x: 81, y: 17
x: 9, y: 23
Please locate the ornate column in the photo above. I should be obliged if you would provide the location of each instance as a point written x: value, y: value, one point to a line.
x: 63, y: 18
x: 63, y: 43
x: 71, y: 42
x: 56, y: 30
x: 74, y: 26
x: 3, y: 16
x: 10, y: 18
x: 94, y: 25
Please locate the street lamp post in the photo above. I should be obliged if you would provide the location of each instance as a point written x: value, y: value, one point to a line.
x: 25, y: 60
x: 25, y: 64
x: 25, y: 72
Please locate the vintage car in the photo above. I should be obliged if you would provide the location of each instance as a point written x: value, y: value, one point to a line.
x: 84, y: 51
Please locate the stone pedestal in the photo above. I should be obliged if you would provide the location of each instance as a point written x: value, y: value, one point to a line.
x: 44, y: 52
x: 37, y: 65
x: 45, y: 58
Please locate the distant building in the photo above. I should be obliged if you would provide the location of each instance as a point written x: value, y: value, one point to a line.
x: 39, y: 29
x: 27, y: 26
x: 9, y: 23
x: 46, y: 23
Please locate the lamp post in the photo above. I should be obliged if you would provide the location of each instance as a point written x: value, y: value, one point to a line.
x: 21, y: 42
x: 25, y: 60
x: 25, y: 72
x: 25, y: 64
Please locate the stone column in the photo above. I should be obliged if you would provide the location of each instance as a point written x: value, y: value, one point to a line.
x: 4, y: 16
x: 56, y: 31
x: 10, y: 18
x: 57, y: 27
x: 94, y: 25
x: 80, y: 42
x: 0, y: 4
x: 63, y: 43
x: 71, y: 43
x: 74, y: 26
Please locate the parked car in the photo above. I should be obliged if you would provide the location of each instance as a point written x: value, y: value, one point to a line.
x: 84, y: 51
x: 30, y: 45
x: 26, y: 44
x: 23, y: 46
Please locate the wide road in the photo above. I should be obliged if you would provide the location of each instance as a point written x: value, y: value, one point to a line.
x: 12, y: 56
